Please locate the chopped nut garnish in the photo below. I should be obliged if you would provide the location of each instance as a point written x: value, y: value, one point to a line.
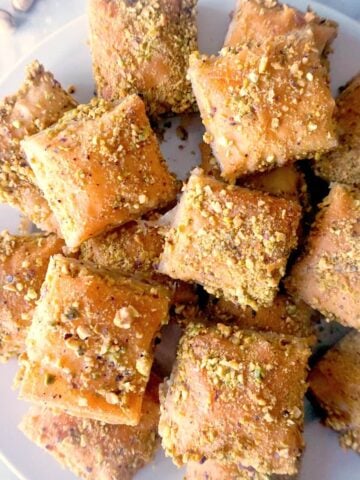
x: 143, y: 365
x: 83, y: 332
x: 83, y: 402
x: 111, y: 398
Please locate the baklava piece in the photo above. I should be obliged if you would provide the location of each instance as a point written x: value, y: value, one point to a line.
x: 39, y: 103
x: 236, y: 397
x: 94, y: 450
x: 343, y: 163
x: 285, y: 315
x: 327, y: 275
x: 100, y: 166
x: 233, y: 241
x: 258, y: 20
x: 335, y: 384
x: 287, y: 181
x: 90, y: 346
x: 264, y: 105
x: 23, y: 264
x: 144, y: 47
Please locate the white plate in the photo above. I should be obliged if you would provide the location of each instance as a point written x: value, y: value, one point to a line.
x: 66, y: 54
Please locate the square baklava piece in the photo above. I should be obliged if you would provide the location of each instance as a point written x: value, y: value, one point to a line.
x: 233, y: 241
x: 213, y: 470
x: 327, y: 275
x: 39, y: 103
x: 335, y: 385
x: 264, y: 104
x: 343, y: 163
x: 236, y: 396
x: 143, y: 48
x: 90, y: 346
x: 23, y: 264
x: 99, y: 167
x: 286, y: 315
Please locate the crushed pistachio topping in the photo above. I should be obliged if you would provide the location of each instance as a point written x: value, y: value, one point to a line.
x: 92, y: 355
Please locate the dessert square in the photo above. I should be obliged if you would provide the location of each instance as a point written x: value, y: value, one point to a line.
x: 236, y: 397
x: 94, y: 450
x: 143, y: 48
x: 23, y: 264
x: 39, y: 103
x: 257, y: 20
x: 264, y: 104
x: 287, y: 181
x: 104, y: 159
x: 335, y: 385
x: 285, y: 315
x: 343, y: 163
x: 90, y: 346
x: 233, y: 241
x: 327, y: 275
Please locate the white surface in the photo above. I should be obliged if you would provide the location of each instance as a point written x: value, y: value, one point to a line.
x: 67, y: 55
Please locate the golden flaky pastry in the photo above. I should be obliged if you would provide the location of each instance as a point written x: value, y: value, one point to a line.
x: 343, y: 163
x: 135, y: 249
x: 285, y: 315
x: 39, y: 103
x: 264, y: 105
x: 236, y: 396
x: 99, y: 167
x: 94, y: 450
x: 90, y: 346
x: 257, y: 20
x: 233, y: 241
x: 287, y: 181
x: 335, y: 384
x: 327, y: 275
x: 212, y: 470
